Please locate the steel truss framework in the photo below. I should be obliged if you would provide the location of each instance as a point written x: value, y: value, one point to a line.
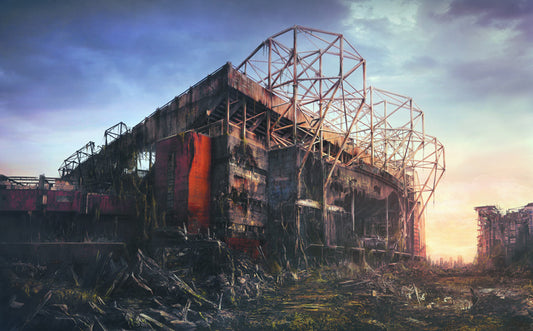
x: 323, y: 77
x: 78, y: 157
x: 115, y: 132
x: 89, y: 150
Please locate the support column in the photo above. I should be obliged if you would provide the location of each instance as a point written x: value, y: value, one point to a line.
x: 385, y: 132
x: 387, y: 222
x: 353, y: 210
x: 243, y: 128
x: 227, y: 113
x: 371, y: 128
x: 323, y: 169
x: 268, y: 127
x: 270, y: 91
x: 295, y: 87
x: 321, y: 133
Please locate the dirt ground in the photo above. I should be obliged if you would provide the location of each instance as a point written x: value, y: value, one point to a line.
x: 210, y: 287
x: 399, y: 297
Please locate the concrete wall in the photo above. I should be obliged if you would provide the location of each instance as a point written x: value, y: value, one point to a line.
x: 239, y: 200
x: 358, y: 202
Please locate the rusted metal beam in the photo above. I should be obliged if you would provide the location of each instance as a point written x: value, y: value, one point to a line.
x: 341, y: 149
x: 227, y: 112
x: 317, y: 131
x: 243, y: 132
x: 295, y: 87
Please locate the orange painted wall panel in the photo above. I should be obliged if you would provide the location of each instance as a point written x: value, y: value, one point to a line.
x: 182, y: 179
x: 199, y: 184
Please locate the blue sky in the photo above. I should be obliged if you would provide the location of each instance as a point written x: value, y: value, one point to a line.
x: 71, y: 69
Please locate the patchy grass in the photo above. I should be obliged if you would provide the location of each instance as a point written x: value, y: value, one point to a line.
x: 377, y: 300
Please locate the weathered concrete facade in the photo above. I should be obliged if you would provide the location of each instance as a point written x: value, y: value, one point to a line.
x: 503, y: 237
x: 254, y: 189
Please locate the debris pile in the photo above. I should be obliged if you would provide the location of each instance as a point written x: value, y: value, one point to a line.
x: 184, y: 287
x: 203, y: 284
x: 408, y: 295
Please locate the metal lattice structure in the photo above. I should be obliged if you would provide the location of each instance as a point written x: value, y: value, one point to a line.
x: 322, y: 79
x: 318, y: 73
x: 391, y: 130
x: 73, y: 161
x: 115, y: 132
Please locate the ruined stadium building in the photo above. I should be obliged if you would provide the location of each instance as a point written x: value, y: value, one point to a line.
x: 503, y: 237
x: 288, y: 153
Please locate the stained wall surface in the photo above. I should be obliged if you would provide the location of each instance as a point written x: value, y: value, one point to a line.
x: 183, y: 180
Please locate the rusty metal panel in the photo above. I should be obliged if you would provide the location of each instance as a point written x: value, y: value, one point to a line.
x: 246, y: 155
x: 239, y: 188
x: 20, y: 200
x: 182, y: 179
x: 250, y: 88
x: 164, y: 165
x: 186, y: 111
x: 199, y: 185
x: 247, y: 183
x: 219, y: 183
x: 63, y: 201
x: 104, y: 204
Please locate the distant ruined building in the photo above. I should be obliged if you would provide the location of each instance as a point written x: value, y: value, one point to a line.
x: 503, y: 238
x: 289, y: 153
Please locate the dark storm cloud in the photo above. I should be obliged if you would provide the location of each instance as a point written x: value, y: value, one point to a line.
x: 491, y: 10
x: 483, y: 47
x: 56, y: 54
x: 509, y: 13
x: 47, y: 60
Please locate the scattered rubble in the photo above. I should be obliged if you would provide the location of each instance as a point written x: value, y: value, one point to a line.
x: 206, y: 285
x: 403, y: 296
x: 189, y: 291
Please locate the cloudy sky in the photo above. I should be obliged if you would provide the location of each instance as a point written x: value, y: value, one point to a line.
x: 71, y: 69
